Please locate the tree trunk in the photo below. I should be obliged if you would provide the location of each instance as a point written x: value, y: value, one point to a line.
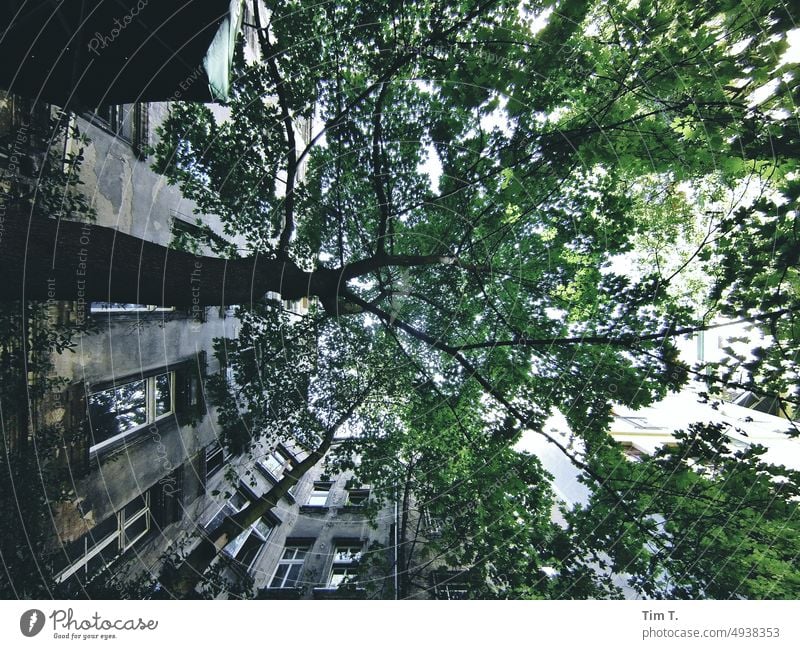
x: 49, y: 259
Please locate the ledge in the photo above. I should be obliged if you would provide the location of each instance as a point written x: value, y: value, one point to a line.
x: 340, y: 593
x: 278, y: 593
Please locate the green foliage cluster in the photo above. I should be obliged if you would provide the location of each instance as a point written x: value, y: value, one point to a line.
x: 588, y: 165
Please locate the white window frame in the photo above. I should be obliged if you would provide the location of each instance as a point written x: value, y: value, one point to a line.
x: 279, y: 457
x: 315, y: 493
x: 340, y: 574
x: 150, y: 407
x: 98, y: 308
x: 261, y: 530
x: 433, y: 526
x: 228, y: 507
x: 117, y: 537
x: 292, y: 561
x: 361, y: 490
x: 346, y: 555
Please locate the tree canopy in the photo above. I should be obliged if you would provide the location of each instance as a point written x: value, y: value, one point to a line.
x: 522, y: 207
x: 507, y: 209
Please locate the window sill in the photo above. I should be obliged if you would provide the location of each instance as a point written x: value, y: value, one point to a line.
x: 139, y: 316
x: 165, y: 424
x: 279, y: 593
x: 340, y: 593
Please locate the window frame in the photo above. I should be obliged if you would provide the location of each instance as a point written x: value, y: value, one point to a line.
x: 98, y: 309
x: 214, y: 450
x: 117, y: 537
x: 319, y: 487
x: 257, y: 530
x: 364, y: 494
x: 111, y: 118
x: 450, y: 585
x: 277, y: 454
x: 290, y: 562
x: 151, y: 416
x: 346, y: 558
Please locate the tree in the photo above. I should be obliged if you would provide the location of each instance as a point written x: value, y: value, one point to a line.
x: 506, y: 280
x: 718, y: 522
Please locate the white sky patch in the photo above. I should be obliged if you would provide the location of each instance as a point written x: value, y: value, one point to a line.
x: 741, y: 46
x: 536, y: 21
x: 498, y: 118
x: 792, y: 53
x: 432, y: 167
x: 761, y: 94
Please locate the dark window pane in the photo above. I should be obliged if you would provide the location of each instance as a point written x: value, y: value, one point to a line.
x: 102, y: 532
x: 135, y: 529
x: 280, y: 573
x: 134, y: 507
x: 238, y: 501
x: 294, y: 574
x: 247, y: 555
x: 220, y: 516
x: 215, y: 458
x: 117, y: 410
x: 163, y: 395
x: 358, y: 497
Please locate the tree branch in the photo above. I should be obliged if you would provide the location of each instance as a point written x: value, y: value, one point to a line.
x: 377, y: 174
x: 288, y: 124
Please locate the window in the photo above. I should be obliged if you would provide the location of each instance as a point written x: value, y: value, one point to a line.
x: 433, y: 526
x: 319, y: 496
x: 345, y: 564
x: 127, y: 121
x: 119, y: 410
x: 288, y: 571
x: 215, y: 459
x: 246, y: 548
x: 235, y: 504
x: 182, y: 226
x: 276, y: 463
x: 111, y: 308
x: 631, y: 452
x: 108, y: 540
x: 357, y: 497
x: 450, y: 585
